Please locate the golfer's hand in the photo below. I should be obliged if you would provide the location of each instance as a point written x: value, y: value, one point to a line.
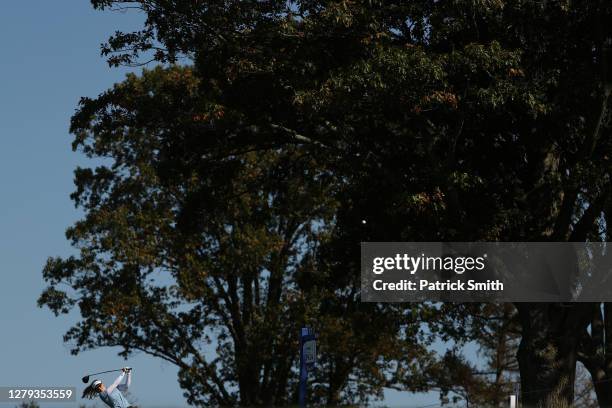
x: 126, y: 369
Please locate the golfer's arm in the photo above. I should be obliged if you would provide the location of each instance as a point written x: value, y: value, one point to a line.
x: 111, y: 388
x: 129, y: 379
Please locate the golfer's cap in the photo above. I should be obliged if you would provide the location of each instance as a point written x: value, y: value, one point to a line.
x: 95, y: 383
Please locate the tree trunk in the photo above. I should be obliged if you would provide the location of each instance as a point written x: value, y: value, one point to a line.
x: 595, y: 353
x: 547, y: 354
x: 603, y: 390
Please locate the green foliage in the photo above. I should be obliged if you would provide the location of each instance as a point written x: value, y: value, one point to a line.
x: 182, y: 248
x: 249, y: 174
x: 462, y: 106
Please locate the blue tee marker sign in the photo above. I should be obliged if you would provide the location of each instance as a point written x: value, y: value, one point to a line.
x: 308, y: 358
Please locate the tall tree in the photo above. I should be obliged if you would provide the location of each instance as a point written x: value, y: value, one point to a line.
x: 470, y: 120
x: 209, y: 260
x: 483, y: 369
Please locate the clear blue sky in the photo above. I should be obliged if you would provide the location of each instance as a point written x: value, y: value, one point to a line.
x: 49, y: 59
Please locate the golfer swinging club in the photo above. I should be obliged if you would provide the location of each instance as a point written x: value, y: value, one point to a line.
x: 111, y: 396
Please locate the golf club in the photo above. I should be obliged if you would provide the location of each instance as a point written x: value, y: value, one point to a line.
x: 86, y: 378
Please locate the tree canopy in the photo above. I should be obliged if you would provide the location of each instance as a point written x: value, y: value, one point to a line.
x: 182, y: 250
x: 285, y: 133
